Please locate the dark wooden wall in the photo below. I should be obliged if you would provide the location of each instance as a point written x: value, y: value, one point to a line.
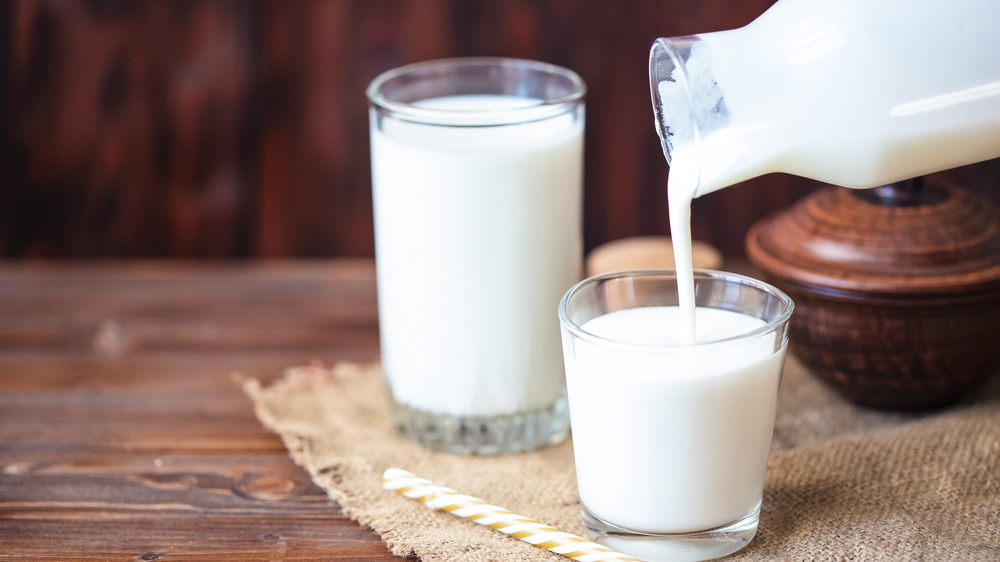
x: 238, y: 128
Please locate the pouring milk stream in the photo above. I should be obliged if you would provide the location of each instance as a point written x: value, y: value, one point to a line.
x: 857, y: 93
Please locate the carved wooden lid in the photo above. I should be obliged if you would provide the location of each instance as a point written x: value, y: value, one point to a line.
x: 911, y: 238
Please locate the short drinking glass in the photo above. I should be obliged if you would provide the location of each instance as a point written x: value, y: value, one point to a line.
x: 671, y: 441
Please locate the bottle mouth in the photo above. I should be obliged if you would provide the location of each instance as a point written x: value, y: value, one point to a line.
x: 670, y: 89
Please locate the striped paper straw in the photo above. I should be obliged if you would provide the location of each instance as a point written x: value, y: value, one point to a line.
x: 439, y: 497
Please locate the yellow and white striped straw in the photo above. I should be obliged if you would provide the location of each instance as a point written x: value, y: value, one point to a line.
x: 439, y: 497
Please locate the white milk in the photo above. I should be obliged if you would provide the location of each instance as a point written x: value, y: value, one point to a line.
x: 478, y: 235
x: 681, y: 186
x: 674, y: 438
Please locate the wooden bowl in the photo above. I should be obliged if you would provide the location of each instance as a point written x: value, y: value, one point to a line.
x: 896, y: 289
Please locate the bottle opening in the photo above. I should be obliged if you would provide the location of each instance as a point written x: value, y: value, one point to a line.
x: 687, y: 101
x: 668, y: 87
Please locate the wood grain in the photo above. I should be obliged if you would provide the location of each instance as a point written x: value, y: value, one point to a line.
x: 124, y: 434
x: 238, y: 128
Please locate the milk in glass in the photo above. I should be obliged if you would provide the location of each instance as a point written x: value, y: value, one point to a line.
x: 477, y: 236
x: 689, y: 425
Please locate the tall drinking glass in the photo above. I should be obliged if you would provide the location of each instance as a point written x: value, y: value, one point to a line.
x: 671, y: 441
x: 477, y: 187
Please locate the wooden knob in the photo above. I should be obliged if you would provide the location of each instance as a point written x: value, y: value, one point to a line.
x: 646, y: 252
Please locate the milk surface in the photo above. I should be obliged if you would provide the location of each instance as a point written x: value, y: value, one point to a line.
x: 478, y: 235
x: 671, y: 438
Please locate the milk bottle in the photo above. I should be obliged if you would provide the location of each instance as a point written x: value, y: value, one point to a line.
x: 858, y: 93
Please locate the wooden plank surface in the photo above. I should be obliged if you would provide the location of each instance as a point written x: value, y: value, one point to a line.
x: 239, y: 128
x: 123, y: 432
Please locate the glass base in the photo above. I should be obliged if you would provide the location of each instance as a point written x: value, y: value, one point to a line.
x: 483, y: 435
x: 700, y: 545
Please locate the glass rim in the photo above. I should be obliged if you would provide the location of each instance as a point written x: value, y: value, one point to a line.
x: 670, y: 273
x: 544, y: 109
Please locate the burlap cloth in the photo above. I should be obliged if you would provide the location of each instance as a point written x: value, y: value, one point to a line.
x: 843, y: 482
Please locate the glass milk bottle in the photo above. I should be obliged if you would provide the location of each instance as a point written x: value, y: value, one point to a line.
x: 857, y: 93
x: 477, y: 174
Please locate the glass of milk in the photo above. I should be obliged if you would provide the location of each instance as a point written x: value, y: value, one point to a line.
x: 671, y: 440
x: 477, y: 172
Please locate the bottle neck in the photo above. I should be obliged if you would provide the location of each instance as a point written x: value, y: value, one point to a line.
x: 693, y: 116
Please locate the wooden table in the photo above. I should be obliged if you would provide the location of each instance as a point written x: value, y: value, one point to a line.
x: 123, y: 432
